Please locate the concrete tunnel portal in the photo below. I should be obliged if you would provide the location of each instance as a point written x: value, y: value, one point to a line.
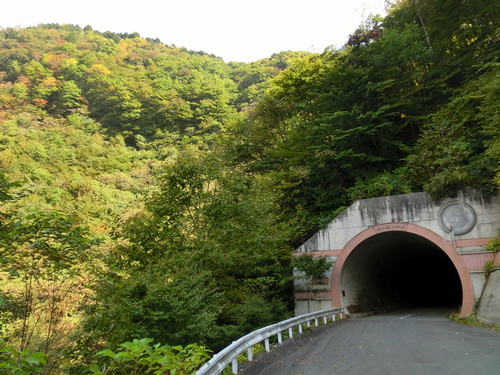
x: 406, y: 250
x: 394, y: 270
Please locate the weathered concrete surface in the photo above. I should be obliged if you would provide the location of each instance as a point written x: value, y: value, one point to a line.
x: 489, y: 307
x: 416, y: 208
x: 416, y: 342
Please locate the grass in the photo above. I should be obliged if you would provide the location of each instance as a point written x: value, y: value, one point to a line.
x: 472, y: 320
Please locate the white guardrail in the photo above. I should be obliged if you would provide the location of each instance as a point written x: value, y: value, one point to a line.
x: 230, y: 353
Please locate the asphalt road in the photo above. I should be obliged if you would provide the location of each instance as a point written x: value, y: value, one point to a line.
x: 410, y: 342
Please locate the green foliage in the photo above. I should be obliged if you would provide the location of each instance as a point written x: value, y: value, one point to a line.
x: 43, y: 243
x: 493, y: 245
x: 87, y: 119
x: 140, y: 357
x: 130, y: 85
x: 42, y: 253
x: 14, y: 362
x: 173, y: 306
x: 70, y: 166
x: 255, y: 312
x: 334, y: 124
x: 208, y: 242
x: 399, y: 109
x: 203, y: 208
x: 457, y: 147
x: 311, y: 267
x: 5, y: 187
x: 382, y: 185
x: 472, y: 320
x: 488, y: 267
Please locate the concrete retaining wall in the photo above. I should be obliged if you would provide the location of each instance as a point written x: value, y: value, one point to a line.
x: 489, y: 307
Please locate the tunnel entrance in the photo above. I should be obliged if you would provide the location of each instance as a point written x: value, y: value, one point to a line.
x: 394, y: 270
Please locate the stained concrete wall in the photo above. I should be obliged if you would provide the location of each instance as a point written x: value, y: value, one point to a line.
x: 416, y: 208
x: 421, y: 210
x: 489, y: 307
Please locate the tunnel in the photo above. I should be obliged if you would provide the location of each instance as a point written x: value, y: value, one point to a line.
x: 394, y: 270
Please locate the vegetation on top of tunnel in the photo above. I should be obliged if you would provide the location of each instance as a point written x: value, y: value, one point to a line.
x: 151, y: 191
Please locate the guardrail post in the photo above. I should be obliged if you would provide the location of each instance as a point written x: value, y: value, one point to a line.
x: 316, y: 322
x: 333, y: 317
x: 290, y: 332
x: 235, y: 366
x: 250, y: 354
x: 300, y: 328
x: 280, y: 338
x: 324, y: 320
x: 266, y: 344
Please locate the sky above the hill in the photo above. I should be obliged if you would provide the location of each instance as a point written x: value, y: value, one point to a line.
x: 236, y: 30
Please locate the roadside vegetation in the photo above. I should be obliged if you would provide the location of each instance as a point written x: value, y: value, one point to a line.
x: 472, y: 320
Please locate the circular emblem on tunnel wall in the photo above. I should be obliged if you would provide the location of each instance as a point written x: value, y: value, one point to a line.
x: 457, y: 217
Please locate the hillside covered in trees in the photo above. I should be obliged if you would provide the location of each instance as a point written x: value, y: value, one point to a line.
x: 149, y: 191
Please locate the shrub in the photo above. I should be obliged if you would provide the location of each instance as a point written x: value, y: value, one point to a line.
x: 140, y: 357
x: 14, y: 362
x: 493, y: 245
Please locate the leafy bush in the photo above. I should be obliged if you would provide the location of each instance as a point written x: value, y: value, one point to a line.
x: 255, y: 312
x: 176, y: 308
x: 140, y: 357
x: 14, y: 362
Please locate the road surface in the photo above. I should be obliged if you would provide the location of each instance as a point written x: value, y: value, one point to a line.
x: 410, y: 342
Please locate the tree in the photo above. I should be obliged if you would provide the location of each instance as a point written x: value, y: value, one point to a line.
x: 69, y: 97
x: 309, y: 268
x: 172, y: 306
x: 217, y: 222
x: 459, y: 144
x: 43, y: 253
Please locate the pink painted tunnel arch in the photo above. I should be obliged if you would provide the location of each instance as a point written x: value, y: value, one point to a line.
x: 440, y: 242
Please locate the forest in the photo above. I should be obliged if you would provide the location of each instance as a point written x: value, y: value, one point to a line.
x: 151, y: 196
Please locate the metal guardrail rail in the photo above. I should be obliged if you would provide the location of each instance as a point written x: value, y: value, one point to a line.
x: 230, y: 353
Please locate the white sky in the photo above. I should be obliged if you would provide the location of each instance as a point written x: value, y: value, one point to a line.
x: 236, y: 30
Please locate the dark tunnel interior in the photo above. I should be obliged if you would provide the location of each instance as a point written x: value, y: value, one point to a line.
x: 396, y: 270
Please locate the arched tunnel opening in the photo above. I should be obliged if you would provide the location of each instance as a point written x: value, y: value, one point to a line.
x: 395, y: 270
